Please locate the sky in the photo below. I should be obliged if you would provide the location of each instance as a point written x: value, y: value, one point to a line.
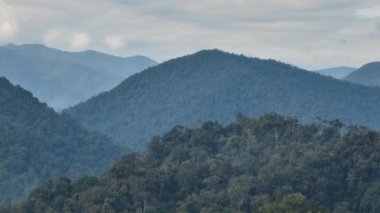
x: 311, y: 34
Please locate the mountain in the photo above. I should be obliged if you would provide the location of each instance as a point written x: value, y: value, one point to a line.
x: 63, y: 79
x: 368, y: 75
x: 269, y: 164
x: 37, y: 144
x: 214, y: 85
x: 336, y: 72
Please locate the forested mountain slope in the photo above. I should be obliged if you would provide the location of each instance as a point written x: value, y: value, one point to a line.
x: 368, y: 74
x: 270, y: 164
x: 214, y: 85
x: 63, y: 79
x: 37, y: 144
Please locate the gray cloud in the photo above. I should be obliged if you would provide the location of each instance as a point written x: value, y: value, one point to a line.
x: 308, y: 33
x: 8, y: 25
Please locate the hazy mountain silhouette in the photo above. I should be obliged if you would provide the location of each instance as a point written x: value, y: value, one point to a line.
x: 63, y: 78
x: 368, y: 74
x: 336, y: 72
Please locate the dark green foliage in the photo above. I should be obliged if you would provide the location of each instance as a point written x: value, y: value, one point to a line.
x: 271, y: 164
x: 213, y: 85
x: 38, y: 144
x: 292, y: 203
x: 368, y: 75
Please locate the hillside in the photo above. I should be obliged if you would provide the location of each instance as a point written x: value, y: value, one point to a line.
x: 336, y: 72
x: 37, y: 144
x: 214, y: 85
x: 270, y: 164
x: 63, y: 79
x: 368, y: 75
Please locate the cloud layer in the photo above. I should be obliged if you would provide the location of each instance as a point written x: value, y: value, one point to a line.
x: 8, y: 25
x: 308, y: 33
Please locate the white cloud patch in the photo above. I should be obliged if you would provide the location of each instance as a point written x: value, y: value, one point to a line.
x: 309, y: 33
x: 65, y: 39
x: 8, y: 25
x: 52, y: 37
x: 114, y: 42
x: 372, y: 12
x: 80, y: 41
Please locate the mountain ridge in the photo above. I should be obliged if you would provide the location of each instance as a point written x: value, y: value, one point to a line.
x: 38, y: 144
x: 42, y: 47
x: 336, y: 72
x: 368, y: 75
x: 63, y: 78
x: 215, y: 85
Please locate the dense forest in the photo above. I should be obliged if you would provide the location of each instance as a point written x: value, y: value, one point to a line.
x: 214, y: 85
x: 269, y: 164
x: 368, y: 75
x: 63, y: 79
x: 38, y: 144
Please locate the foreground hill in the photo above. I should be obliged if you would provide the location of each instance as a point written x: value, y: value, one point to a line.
x: 62, y: 78
x: 268, y: 165
x: 37, y: 144
x: 214, y: 85
x: 336, y: 72
x: 368, y: 74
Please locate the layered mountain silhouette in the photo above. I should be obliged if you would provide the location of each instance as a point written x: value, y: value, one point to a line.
x: 336, y: 72
x: 38, y: 144
x: 63, y: 79
x: 214, y: 85
x: 368, y: 75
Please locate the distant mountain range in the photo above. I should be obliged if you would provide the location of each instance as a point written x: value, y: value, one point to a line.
x: 214, y: 85
x: 368, y: 75
x: 336, y: 72
x: 37, y: 144
x: 63, y: 79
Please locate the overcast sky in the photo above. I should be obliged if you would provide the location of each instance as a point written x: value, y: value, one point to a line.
x: 307, y: 33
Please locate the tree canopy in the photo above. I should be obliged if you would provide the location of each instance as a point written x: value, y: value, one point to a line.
x: 38, y: 144
x: 268, y: 164
x: 214, y: 85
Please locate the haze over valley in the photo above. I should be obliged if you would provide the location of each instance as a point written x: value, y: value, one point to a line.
x: 63, y: 79
x: 190, y: 107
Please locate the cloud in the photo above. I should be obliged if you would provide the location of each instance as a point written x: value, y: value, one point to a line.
x: 8, y: 25
x: 307, y: 33
x: 65, y: 39
x: 52, y: 37
x: 8, y: 31
x: 371, y: 12
x: 114, y: 42
x: 80, y: 41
